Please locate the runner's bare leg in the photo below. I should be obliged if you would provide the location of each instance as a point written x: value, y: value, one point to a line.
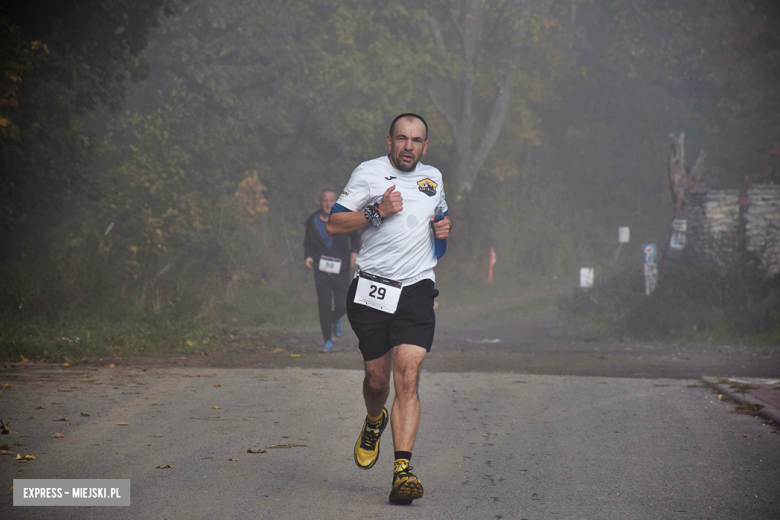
x: 376, y: 384
x: 405, y: 418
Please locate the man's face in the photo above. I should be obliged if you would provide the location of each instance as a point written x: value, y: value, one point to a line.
x: 327, y: 200
x: 408, y: 144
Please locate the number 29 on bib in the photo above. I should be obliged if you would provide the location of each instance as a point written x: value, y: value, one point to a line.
x: 377, y: 292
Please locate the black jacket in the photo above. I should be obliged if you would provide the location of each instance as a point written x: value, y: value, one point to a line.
x: 314, y: 246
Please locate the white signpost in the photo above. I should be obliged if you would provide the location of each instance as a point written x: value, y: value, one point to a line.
x: 586, y: 277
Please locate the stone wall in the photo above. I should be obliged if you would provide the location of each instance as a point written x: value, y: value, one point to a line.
x: 713, y: 225
x: 762, y: 228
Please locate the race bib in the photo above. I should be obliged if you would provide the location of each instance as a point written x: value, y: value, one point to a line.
x: 377, y: 292
x: 330, y: 265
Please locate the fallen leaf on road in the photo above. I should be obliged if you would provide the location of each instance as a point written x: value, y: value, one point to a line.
x: 288, y: 446
x: 40, y: 407
x: 163, y: 467
x: 295, y: 355
x: 617, y: 431
x: 122, y: 423
x: 218, y: 384
x: 231, y: 459
x: 5, y: 447
x: 6, y: 452
x: 59, y: 435
x: 19, y: 456
x: 6, y: 385
x: 111, y: 365
x: 216, y: 407
x: 250, y: 450
x: 4, y: 427
x: 66, y: 364
x: 84, y: 414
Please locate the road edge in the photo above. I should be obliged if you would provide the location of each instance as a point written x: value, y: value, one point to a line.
x: 767, y: 411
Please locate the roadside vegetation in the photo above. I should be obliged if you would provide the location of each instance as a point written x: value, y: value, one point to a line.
x: 711, y: 306
x: 159, y: 158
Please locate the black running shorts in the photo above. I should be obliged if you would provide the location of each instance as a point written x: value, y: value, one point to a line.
x: 412, y: 323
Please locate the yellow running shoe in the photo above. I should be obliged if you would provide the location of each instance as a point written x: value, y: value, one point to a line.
x: 367, y: 445
x: 406, y: 487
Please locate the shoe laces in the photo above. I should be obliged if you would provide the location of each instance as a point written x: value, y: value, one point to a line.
x: 403, y: 470
x: 369, y: 438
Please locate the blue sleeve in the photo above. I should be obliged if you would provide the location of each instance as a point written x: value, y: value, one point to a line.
x: 337, y: 208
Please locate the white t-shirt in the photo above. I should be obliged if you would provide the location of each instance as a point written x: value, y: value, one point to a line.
x: 402, y: 248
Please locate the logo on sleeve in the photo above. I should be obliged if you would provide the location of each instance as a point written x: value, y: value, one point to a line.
x: 427, y: 186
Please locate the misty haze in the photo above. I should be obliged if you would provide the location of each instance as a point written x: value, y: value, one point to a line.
x: 612, y: 172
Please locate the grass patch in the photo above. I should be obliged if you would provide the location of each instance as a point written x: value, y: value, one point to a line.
x: 748, y: 408
x: 742, y: 388
x: 69, y: 339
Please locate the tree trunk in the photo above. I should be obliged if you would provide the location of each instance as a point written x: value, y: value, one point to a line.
x: 458, y: 111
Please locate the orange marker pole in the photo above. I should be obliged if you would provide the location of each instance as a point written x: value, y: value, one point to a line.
x: 492, y: 262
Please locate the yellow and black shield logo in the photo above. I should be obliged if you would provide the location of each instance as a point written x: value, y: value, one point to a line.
x: 427, y: 186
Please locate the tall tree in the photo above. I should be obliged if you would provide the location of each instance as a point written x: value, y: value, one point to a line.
x: 89, y: 50
x: 501, y: 49
x: 288, y: 95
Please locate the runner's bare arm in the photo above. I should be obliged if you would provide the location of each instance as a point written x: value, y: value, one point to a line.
x: 345, y: 222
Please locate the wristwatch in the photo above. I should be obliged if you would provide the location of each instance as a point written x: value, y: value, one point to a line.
x: 372, y: 215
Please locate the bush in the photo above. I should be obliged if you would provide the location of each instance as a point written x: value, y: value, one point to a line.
x: 702, y: 302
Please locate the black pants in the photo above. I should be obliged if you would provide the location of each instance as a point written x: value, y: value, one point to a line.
x: 331, y: 298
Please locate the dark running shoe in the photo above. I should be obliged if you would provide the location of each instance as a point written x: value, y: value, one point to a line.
x: 367, y: 445
x: 406, y: 487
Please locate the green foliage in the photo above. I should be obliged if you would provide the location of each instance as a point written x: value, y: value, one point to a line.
x: 78, y: 55
x: 719, y: 60
x: 240, y: 112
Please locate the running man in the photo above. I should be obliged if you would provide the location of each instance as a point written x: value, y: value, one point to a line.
x: 331, y: 259
x: 390, y: 302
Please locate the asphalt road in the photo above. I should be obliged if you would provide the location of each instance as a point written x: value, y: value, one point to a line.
x: 530, y: 427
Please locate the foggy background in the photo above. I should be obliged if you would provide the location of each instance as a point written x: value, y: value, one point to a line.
x: 159, y: 157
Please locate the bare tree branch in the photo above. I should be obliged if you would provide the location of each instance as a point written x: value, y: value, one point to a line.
x: 448, y: 118
x: 498, y: 114
x: 436, y: 31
